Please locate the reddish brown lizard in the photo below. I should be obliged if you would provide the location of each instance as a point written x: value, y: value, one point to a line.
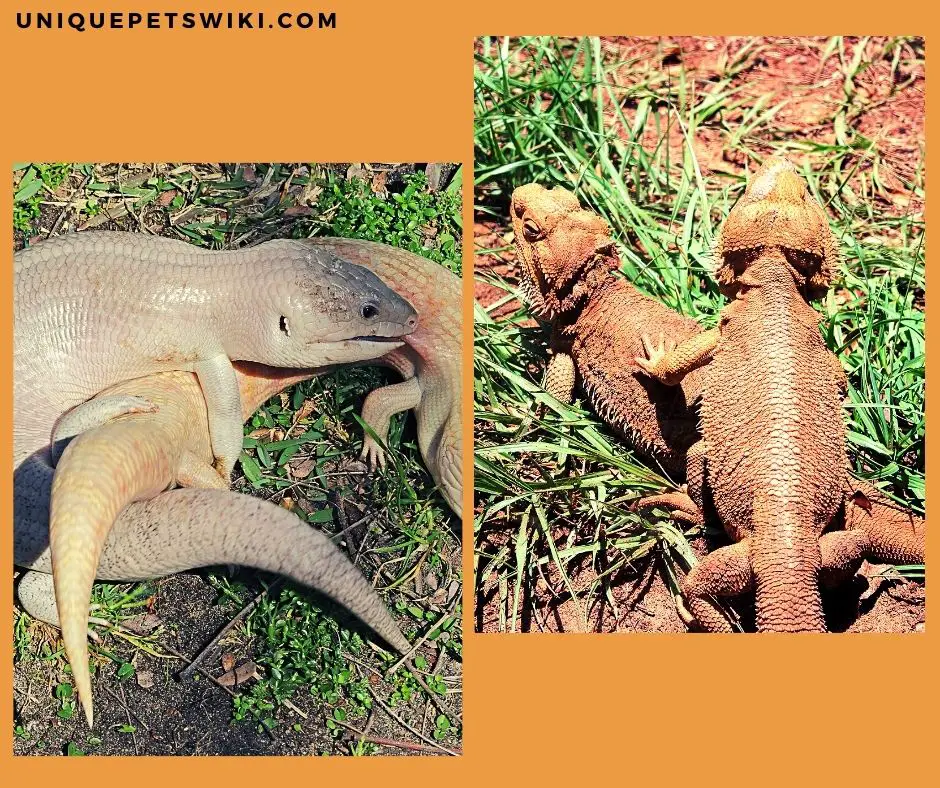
x: 569, y: 261
x: 771, y: 418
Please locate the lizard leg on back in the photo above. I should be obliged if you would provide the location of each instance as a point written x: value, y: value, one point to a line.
x: 98, y: 411
x: 192, y: 470
x: 670, y: 365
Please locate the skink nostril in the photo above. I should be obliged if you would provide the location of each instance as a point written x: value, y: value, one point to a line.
x: 412, y: 322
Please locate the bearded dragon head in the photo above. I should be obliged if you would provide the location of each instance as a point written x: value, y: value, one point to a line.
x: 564, y: 251
x: 778, y: 212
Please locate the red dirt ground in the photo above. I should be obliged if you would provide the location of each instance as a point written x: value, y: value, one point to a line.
x: 781, y: 68
x: 645, y: 604
x: 792, y: 69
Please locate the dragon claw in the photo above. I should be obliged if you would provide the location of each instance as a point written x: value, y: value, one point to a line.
x: 654, y: 353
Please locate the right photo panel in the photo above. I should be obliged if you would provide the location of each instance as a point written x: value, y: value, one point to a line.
x: 699, y: 334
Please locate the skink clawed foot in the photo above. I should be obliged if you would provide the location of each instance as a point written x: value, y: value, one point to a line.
x: 372, y: 453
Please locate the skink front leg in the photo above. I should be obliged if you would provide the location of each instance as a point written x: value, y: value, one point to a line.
x: 223, y: 404
x: 377, y: 412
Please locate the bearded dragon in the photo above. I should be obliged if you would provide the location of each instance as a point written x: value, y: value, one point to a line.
x: 772, y: 459
x: 568, y: 263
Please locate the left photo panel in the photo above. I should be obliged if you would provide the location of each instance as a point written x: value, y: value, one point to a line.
x: 237, y: 459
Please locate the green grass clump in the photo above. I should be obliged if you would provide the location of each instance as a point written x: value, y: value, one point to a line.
x: 36, y: 181
x: 407, y: 220
x: 554, y: 484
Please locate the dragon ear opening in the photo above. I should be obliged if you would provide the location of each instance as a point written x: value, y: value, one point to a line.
x: 817, y: 267
x: 730, y: 265
x: 819, y: 272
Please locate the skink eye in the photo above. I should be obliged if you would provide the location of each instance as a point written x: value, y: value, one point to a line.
x: 369, y: 311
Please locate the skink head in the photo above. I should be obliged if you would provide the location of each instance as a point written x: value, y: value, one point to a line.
x: 333, y: 311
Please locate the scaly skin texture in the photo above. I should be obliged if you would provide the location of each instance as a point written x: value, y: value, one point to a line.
x: 566, y: 254
x: 772, y: 432
x: 429, y: 361
x: 134, y: 457
x: 877, y: 528
x: 568, y: 261
x: 778, y: 212
x: 93, y: 309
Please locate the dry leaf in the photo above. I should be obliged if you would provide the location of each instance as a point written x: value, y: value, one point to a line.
x: 240, y: 675
x: 142, y: 624
x: 308, y: 407
x: 434, y: 173
x: 301, y: 468
x: 311, y: 194
x: 306, y: 506
x: 378, y: 183
x: 356, y: 172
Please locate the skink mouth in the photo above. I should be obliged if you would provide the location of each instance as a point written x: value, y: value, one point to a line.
x: 350, y: 351
x: 392, y: 341
x: 369, y: 347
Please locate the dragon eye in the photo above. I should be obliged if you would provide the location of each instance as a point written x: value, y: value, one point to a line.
x: 369, y: 311
x: 531, y: 230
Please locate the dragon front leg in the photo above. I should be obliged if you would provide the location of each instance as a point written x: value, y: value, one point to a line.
x: 670, y: 363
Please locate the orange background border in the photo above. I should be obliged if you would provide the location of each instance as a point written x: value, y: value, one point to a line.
x: 394, y: 82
